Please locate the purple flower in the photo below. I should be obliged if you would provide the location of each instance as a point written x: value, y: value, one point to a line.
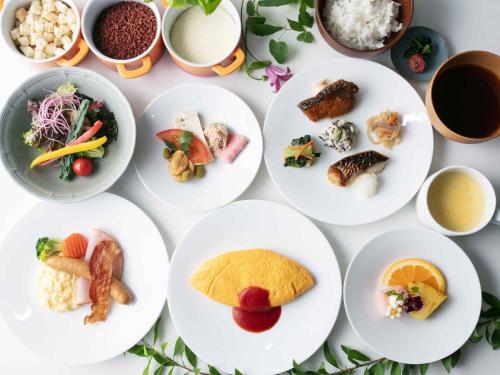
x: 96, y: 105
x: 276, y: 75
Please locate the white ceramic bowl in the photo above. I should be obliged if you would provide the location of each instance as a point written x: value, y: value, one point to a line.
x: 71, y: 57
x: 44, y: 182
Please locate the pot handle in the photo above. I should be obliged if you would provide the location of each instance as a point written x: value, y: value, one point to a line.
x: 145, y: 67
x: 239, y: 58
x: 83, y: 50
x: 496, y: 217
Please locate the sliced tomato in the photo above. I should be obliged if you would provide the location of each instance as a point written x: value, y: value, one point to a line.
x: 198, y: 153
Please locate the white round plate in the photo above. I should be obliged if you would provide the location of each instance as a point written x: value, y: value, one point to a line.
x: 208, y: 328
x: 407, y: 340
x: 62, y: 337
x: 223, y: 182
x: 308, y: 189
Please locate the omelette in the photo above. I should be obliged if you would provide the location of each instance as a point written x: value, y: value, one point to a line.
x: 224, y: 277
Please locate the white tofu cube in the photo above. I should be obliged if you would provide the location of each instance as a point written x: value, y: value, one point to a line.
x: 49, y: 16
x: 66, y: 29
x: 74, y: 28
x: 21, y: 14
x: 61, y: 18
x: 58, y: 42
x: 27, y: 51
x: 24, y: 29
x: 59, y: 51
x: 24, y: 41
x: 58, y: 31
x: 32, y: 29
x: 32, y: 18
x: 40, y: 44
x: 70, y: 19
x: 66, y: 41
x: 39, y: 55
x: 15, y: 34
x: 49, y: 27
x: 34, y: 37
x: 36, y: 8
x: 39, y: 27
x: 61, y: 7
x: 50, y: 49
x: 49, y: 37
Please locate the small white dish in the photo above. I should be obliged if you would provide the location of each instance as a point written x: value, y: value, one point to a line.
x: 63, y: 337
x: 208, y: 328
x: 407, y: 340
x: 308, y: 189
x: 223, y: 182
x: 491, y: 213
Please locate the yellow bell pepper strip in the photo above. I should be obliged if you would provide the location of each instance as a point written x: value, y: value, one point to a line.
x: 68, y: 150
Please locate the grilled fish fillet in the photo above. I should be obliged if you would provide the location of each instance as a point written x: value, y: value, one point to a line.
x: 345, y: 169
x: 334, y: 100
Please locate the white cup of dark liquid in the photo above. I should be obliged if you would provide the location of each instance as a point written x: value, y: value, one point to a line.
x: 457, y: 201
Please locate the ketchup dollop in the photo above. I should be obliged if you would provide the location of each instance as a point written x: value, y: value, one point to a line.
x: 255, y: 313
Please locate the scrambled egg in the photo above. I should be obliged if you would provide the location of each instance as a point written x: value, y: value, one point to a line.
x: 56, y: 289
x: 224, y: 277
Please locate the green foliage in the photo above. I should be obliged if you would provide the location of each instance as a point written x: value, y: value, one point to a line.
x: 47, y: 247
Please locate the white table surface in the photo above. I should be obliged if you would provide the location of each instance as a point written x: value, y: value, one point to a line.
x: 465, y: 25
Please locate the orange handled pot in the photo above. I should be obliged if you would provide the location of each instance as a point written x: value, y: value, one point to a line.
x: 73, y: 55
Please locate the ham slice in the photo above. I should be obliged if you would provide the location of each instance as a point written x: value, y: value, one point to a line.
x: 235, y: 143
x: 82, y: 285
x: 101, y: 270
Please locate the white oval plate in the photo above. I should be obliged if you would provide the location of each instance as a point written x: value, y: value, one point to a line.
x: 407, y: 340
x: 62, y: 337
x: 223, y: 182
x: 308, y: 188
x: 208, y: 328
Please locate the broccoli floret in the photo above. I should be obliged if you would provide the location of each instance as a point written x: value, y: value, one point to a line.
x: 96, y: 153
x: 47, y: 247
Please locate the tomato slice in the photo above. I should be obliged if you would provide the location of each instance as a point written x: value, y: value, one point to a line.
x: 198, y: 153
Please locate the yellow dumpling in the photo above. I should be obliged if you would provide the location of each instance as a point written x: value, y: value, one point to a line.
x: 224, y: 277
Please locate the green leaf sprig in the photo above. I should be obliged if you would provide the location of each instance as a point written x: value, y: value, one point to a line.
x: 158, y: 359
x: 258, y: 24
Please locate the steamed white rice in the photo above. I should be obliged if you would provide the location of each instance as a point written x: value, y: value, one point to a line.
x: 361, y: 24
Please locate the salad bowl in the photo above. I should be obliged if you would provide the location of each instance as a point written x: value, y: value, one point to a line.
x: 44, y: 182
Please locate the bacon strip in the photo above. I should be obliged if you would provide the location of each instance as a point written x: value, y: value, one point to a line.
x: 101, y: 269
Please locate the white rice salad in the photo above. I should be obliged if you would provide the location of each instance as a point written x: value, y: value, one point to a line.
x: 361, y: 24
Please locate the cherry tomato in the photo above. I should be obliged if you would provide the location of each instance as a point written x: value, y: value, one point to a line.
x: 82, y: 167
x: 416, y: 62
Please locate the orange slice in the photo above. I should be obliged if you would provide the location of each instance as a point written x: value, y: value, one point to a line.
x: 412, y: 270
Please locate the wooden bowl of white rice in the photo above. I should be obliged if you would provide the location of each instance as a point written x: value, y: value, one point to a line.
x: 363, y: 28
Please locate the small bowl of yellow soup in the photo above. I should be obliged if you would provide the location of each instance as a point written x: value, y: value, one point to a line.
x: 202, y: 44
x: 456, y: 201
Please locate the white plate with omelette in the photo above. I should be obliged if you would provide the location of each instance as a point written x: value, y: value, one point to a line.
x: 294, y: 263
x: 309, y: 189
x: 62, y: 337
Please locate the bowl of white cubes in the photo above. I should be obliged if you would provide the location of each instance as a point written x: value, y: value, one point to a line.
x: 43, y: 31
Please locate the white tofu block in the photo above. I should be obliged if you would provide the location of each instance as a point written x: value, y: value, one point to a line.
x: 15, y: 34
x: 32, y: 29
x: 24, y: 29
x: 50, y: 49
x: 34, y: 37
x: 49, y: 37
x: 49, y: 7
x: 57, y: 42
x: 36, y: 8
x: 58, y: 31
x: 39, y: 55
x: 66, y: 41
x: 66, y: 29
x: 59, y: 51
x: 40, y: 44
x: 61, y: 18
x: 70, y: 19
x: 48, y: 27
x: 39, y: 27
x: 74, y: 28
x: 32, y: 18
x: 61, y: 7
x: 49, y: 16
x: 27, y: 51
x: 24, y: 41
x: 21, y: 14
